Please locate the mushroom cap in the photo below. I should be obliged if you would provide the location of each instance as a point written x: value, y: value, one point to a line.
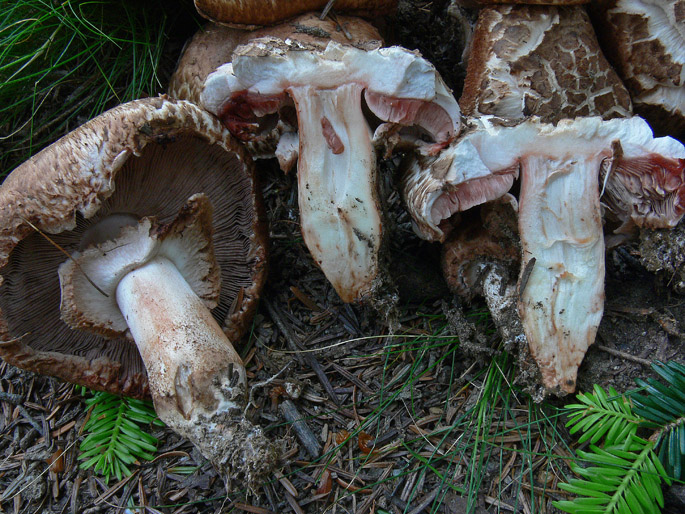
x: 271, y: 12
x: 143, y: 158
x: 542, y: 61
x: 213, y: 46
x: 645, y: 41
x: 490, y: 235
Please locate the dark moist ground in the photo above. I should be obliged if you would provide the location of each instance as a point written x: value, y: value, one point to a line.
x: 375, y: 408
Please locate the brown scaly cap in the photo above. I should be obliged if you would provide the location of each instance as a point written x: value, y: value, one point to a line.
x: 143, y: 158
x: 511, y: 58
x: 213, y: 45
x: 270, y: 12
x: 489, y: 237
x: 645, y: 41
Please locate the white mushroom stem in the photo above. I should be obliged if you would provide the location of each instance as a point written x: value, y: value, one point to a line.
x: 561, y: 295
x: 339, y: 208
x: 562, y: 277
x: 160, y: 282
x: 191, y: 365
x: 337, y: 186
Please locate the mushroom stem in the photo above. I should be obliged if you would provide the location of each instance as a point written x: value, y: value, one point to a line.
x: 197, y: 379
x: 561, y: 298
x: 192, y: 367
x: 337, y: 186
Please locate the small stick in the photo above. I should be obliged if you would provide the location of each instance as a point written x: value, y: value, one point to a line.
x: 68, y: 256
x: 326, y: 9
x: 294, y: 345
x: 426, y: 501
x: 624, y: 355
x: 14, y: 399
x: 302, y: 430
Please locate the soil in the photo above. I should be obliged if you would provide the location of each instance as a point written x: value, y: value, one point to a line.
x: 364, y: 435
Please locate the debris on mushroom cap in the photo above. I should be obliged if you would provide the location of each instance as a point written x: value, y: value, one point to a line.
x: 339, y: 209
x: 270, y: 12
x: 110, y: 165
x: 645, y: 41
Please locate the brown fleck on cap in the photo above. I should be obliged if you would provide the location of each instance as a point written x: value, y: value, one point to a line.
x: 143, y: 158
x: 271, y: 12
x: 542, y: 61
x: 645, y: 41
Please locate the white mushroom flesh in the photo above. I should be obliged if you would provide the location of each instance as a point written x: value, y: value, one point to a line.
x: 336, y: 187
x: 157, y: 284
x: 562, y: 300
x: 561, y: 291
x: 180, y: 342
x: 339, y: 207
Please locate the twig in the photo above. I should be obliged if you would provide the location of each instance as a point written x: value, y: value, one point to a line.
x: 68, y: 256
x: 32, y: 422
x: 285, y: 330
x: 302, y: 430
x: 624, y: 355
x: 326, y: 9
x: 301, y: 356
x: 15, y: 399
x: 426, y: 501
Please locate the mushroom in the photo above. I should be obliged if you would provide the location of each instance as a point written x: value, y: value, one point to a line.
x: 270, y: 12
x: 536, y: 87
x: 153, y: 281
x: 213, y: 45
x: 328, y: 83
x: 645, y: 41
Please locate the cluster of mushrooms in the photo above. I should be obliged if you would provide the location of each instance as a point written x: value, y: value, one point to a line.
x: 132, y: 251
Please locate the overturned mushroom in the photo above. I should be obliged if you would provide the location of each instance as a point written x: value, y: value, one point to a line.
x: 154, y: 279
x: 535, y: 88
x: 329, y: 83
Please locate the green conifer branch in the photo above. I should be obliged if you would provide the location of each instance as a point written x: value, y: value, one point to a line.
x: 115, y: 435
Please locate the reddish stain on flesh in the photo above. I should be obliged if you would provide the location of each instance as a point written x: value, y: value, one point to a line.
x: 332, y: 139
x: 238, y: 113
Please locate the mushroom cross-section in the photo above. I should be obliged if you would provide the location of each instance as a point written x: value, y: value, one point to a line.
x: 158, y: 208
x: 543, y: 104
x: 330, y: 85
